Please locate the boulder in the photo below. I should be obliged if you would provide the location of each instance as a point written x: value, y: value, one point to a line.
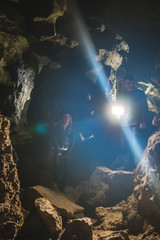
x: 111, y: 218
x: 133, y: 221
x: 49, y: 215
x: 63, y: 205
x: 150, y: 233
x: 78, y: 229
x: 107, y: 188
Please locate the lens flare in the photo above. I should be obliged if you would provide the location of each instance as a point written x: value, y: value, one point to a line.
x: 118, y: 111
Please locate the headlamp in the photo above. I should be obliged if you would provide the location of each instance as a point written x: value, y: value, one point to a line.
x: 118, y: 111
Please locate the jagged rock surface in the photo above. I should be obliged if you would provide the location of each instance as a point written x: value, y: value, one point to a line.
x: 50, y: 216
x: 106, y: 187
x: 147, y: 180
x: 78, y: 229
x: 111, y: 218
x: 109, y: 235
x: 64, y: 206
x: 144, y: 204
x: 142, y: 207
x: 11, y: 219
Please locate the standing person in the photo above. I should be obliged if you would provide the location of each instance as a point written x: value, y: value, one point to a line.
x: 135, y: 124
x: 135, y: 103
x: 64, y: 138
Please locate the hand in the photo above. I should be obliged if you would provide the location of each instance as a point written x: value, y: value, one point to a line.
x: 143, y: 125
x: 59, y: 154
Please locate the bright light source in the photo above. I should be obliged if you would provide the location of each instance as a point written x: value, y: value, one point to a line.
x: 118, y: 111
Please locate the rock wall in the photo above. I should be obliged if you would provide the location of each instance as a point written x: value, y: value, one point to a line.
x: 143, y: 206
x: 147, y: 180
x: 11, y: 219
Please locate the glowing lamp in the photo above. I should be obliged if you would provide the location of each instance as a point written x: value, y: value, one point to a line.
x: 117, y: 111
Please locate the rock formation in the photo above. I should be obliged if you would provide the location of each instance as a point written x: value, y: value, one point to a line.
x: 10, y: 206
x: 66, y: 55
x: 106, y: 187
x: 50, y: 216
x: 140, y: 213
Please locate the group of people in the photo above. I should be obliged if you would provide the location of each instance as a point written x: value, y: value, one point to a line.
x: 137, y: 116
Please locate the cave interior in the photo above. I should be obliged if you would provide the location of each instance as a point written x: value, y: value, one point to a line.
x: 70, y: 56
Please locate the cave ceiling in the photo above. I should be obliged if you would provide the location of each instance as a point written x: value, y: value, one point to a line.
x: 44, y: 53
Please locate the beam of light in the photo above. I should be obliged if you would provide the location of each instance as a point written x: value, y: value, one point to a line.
x: 104, y: 83
x: 150, y: 169
x: 91, y: 53
x: 132, y: 140
x: 102, y: 78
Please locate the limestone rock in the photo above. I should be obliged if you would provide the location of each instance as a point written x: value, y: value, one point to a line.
x: 147, y: 180
x: 13, y: 48
x: 11, y: 219
x: 112, y: 235
x: 156, y: 120
x: 58, y: 9
x: 112, y: 59
x: 152, y: 93
x: 50, y: 216
x: 150, y: 233
x: 64, y: 206
x: 144, y: 204
x: 118, y: 236
x: 78, y: 229
x: 131, y: 216
x: 106, y: 187
x: 23, y: 89
x: 111, y: 218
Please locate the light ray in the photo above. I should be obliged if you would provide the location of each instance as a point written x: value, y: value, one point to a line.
x: 92, y: 55
x: 105, y: 84
x: 132, y: 140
